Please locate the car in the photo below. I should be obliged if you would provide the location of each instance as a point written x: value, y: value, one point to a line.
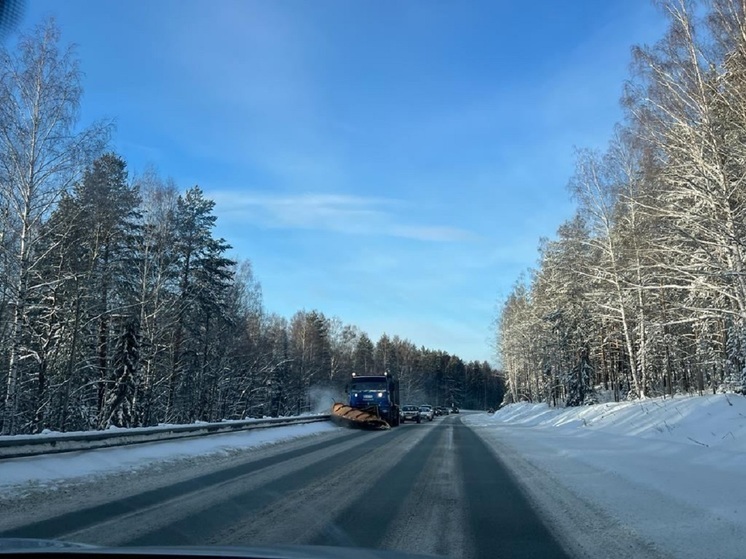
x: 410, y: 413
x: 427, y: 412
x: 454, y: 409
x: 446, y: 411
x: 437, y: 410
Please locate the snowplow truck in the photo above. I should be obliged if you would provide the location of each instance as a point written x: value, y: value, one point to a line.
x: 377, y: 395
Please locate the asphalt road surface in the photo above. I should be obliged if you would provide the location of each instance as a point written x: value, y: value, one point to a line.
x: 433, y: 488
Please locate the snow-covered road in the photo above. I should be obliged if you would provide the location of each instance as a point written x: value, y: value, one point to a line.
x: 433, y: 487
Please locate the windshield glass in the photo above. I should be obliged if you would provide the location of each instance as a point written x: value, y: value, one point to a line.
x: 368, y: 385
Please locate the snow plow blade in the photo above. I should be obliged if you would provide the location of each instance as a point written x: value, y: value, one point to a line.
x: 342, y: 414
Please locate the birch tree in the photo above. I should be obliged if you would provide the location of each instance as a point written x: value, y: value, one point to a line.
x: 42, y: 154
x: 689, y: 104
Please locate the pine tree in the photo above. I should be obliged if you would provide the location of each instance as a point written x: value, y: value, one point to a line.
x: 203, y: 274
x: 120, y: 407
x: 364, y: 356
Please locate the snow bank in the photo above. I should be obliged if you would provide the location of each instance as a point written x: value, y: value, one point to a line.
x: 48, y: 433
x: 716, y: 421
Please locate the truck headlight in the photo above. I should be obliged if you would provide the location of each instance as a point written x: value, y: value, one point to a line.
x: 380, y: 394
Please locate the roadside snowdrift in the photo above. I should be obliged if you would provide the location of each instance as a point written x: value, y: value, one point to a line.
x: 652, y: 478
x: 711, y: 421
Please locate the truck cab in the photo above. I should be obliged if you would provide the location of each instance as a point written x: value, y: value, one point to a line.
x: 378, y: 394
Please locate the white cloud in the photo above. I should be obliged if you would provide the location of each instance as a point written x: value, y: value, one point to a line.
x: 360, y: 215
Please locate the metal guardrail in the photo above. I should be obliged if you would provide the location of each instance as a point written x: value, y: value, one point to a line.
x: 34, y: 445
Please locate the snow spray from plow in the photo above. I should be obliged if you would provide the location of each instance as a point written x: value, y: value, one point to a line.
x: 345, y: 415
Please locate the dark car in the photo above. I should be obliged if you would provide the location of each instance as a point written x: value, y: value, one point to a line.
x: 454, y: 409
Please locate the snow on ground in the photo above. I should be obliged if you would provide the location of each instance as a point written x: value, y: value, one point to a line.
x: 711, y: 421
x: 48, y: 470
x: 132, y: 430
x: 669, y: 473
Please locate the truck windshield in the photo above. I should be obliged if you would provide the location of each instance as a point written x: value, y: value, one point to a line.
x: 368, y: 385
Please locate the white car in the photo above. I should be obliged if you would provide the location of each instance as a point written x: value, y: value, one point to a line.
x: 410, y: 413
x: 427, y: 412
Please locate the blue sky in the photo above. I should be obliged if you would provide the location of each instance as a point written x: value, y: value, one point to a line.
x: 390, y: 162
